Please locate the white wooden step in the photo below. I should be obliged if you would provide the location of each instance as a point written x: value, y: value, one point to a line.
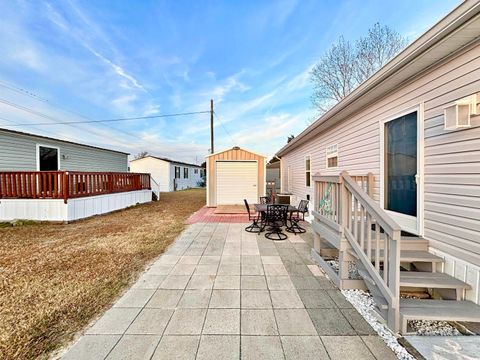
x: 431, y: 280
x: 446, y: 310
x: 409, y: 256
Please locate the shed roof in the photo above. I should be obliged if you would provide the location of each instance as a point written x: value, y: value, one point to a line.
x: 63, y: 141
x: 235, y: 148
x: 456, y: 30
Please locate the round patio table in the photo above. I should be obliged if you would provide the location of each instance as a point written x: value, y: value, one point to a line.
x: 293, y: 228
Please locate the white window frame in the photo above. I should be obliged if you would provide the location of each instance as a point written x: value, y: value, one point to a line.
x: 38, y: 146
x: 175, y: 172
x: 331, y: 151
x: 185, y: 171
x: 195, y: 171
x: 309, y: 157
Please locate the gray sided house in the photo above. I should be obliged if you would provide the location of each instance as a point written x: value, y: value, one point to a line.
x: 47, y: 179
x: 27, y: 152
x: 393, y: 174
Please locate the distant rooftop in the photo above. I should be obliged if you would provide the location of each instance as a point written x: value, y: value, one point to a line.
x: 170, y: 161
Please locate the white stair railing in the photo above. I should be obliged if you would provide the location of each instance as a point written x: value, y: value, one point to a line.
x: 155, y: 187
x: 375, y: 238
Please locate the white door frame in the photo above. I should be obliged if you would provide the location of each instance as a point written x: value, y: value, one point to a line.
x: 411, y: 224
x: 37, y: 154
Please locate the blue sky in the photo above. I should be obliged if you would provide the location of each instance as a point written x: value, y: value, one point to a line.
x: 109, y: 59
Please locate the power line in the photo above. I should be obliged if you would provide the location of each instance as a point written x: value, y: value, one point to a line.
x: 91, y: 121
x: 103, y: 122
x: 223, y: 126
x: 70, y: 123
x: 22, y: 91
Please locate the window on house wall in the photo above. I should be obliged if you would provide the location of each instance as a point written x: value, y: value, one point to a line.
x: 331, y: 156
x: 185, y: 173
x: 195, y: 171
x: 177, y: 172
x: 48, y: 158
x: 307, y: 171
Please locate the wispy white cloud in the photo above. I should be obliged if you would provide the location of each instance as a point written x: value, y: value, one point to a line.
x: 232, y: 83
x: 118, y: 69
x: 78, y: 34
x: 301, y: 80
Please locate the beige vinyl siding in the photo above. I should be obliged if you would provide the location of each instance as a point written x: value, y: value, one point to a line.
x: 18, y: 152
x: 451, y: 158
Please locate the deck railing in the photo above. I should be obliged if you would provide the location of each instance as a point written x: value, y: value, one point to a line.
x: 68, y: 184
x: 346, y: 209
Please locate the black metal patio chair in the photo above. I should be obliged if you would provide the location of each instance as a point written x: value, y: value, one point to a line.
x: 255, y: 226
x: 275, y: 218
x: 265, y: 200
x: 294, y: 220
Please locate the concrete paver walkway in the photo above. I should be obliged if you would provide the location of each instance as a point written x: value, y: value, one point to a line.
x: 222, y: 293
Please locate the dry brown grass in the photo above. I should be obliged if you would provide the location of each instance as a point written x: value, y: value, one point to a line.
x: 55, y: 278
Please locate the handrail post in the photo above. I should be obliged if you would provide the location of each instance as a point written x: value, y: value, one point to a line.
x: 394, y: 279
x: 370, y: 184
x: 344, y: 205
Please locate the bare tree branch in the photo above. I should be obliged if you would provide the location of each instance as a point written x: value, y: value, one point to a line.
x: 141, y: 155
x: 344, y: 66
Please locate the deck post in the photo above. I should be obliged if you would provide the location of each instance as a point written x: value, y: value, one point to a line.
x: 66, y: 187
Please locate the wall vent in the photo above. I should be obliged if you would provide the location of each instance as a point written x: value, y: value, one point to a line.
x: 458, y: 114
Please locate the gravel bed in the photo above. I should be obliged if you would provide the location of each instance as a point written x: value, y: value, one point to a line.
x: 363, y: 302
x: 352, y: 269
x: 433, y: 328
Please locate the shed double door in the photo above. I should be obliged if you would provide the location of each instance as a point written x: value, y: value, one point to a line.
x: 236, y: 180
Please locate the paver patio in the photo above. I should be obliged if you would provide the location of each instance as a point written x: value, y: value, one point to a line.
x: 222, y: 293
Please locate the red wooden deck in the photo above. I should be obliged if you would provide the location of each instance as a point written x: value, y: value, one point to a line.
x: 68, y: 184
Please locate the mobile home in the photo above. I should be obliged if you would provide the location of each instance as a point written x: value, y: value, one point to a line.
x: 393, y: 171
x: 48, y: 179
x: 170, y: 175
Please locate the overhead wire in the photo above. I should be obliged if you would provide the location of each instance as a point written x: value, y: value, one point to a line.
x: 87, y: 121
x: 223, y: 126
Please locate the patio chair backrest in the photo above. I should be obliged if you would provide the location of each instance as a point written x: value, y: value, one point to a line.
x: 264, y: 200
x: 303, y: 206
x: 277, y: 213
x: 248, y: 207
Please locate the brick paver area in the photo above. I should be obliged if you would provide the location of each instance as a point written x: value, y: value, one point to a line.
x: 207, y: 215
x: 222, y: 293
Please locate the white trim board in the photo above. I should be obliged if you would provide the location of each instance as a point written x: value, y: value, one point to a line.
x: 37, y: 155
x: 406, y: 221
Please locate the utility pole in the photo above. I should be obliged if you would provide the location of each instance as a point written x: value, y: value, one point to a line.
x: 211, y: 127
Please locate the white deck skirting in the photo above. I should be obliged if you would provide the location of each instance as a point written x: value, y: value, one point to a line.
x: 74, y: 209
x: 461, y: 270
